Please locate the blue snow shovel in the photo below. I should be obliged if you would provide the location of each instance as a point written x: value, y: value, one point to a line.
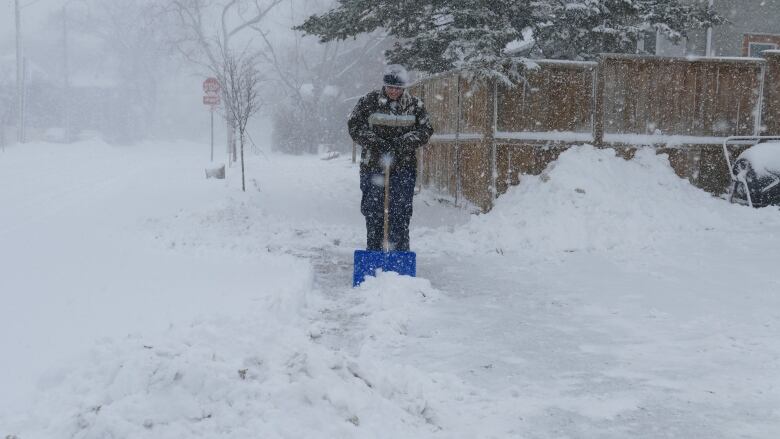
x: 367, y: 262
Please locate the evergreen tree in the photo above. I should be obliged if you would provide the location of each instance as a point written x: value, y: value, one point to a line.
x: 439, y: 35
x: 432, y: 35
x: 582, y: 29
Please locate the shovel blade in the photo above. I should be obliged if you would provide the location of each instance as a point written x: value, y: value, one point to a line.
x: 368, y: 262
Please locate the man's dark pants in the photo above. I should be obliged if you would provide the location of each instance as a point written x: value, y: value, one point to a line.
x: 373, y: 205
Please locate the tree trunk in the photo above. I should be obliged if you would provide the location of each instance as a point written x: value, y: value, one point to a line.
x: 243, y: 179
x: 233, y: 147
x: 231, y: 138
x: 19, y: 76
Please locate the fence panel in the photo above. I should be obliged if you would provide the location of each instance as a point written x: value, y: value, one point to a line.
x: 476, y: 173
x: 638, y: 100
x: 442, y: 102
x: 475, y: 116
x: 556, y: 96
x: 677, y: 96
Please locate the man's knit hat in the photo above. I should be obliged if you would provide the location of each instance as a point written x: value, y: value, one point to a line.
x: 396, y: 76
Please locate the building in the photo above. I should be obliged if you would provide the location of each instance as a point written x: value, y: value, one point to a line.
x: 752, y: 27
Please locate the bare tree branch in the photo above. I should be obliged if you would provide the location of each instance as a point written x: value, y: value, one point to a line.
x: 240, y: 81
x: 261, y: 12
x: 216, y: 42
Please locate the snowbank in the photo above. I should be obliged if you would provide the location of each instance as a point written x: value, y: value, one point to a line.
x: 392, y: 302
x: 255, y: 376
x: 592, y: 200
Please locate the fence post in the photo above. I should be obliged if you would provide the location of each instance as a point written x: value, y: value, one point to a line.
x: 771, y: 99
x: 489, y: 130
x: 458, y: 116
x: 598, y: 103
x: 420, y: 152
x: 758, y: 114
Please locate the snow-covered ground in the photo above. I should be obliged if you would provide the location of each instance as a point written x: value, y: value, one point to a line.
x: 603, y: 299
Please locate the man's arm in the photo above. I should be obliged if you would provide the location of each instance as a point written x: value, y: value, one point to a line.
x: 422, y: 132
x: 359, y: 129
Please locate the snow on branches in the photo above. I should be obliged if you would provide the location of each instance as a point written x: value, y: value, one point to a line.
x: 580, y: 30
x: 434, y: 35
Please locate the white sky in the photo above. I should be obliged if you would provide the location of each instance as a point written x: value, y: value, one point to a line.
x: 37, y: 28
x: 34, y: 15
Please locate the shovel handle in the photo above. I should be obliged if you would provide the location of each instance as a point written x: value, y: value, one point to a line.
x: 385, y: 241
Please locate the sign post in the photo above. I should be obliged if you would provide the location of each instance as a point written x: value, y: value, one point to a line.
x: 212, y: 133
x: 211, y: 89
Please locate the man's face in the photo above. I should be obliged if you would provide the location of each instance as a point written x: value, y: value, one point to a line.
x: 394, y: 93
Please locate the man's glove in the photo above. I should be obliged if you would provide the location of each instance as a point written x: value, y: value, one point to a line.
x: 406, y: 144
x: 380, y: 146
x: 398, y: 148
x: 386, y: 146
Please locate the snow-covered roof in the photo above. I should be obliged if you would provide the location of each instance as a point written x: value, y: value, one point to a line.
x: 8, y: 69
x: 35, y: 72
x: 92, y: 79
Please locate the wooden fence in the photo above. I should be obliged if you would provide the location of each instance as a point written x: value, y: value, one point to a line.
x: 487, y: 135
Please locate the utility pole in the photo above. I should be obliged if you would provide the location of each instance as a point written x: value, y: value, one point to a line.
x: 19, y: 75
x: 709, y: 50
x: 65, y: 73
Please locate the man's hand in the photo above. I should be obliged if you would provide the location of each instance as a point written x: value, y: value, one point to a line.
x: 387, y: 146
x: 405, y: 144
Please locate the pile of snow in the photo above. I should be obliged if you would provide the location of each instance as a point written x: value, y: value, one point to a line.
x: 764, y: 157
x: 592, y: 200
x: 392, y: 302
x: 262, y: 375
x: 247, y: 378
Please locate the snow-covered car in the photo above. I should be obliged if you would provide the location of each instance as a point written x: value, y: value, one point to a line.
x: 756, y: 174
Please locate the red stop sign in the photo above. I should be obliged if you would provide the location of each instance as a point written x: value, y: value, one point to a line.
x: 211, y: 86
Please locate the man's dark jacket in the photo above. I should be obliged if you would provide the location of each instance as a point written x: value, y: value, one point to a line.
x: 382, y: 126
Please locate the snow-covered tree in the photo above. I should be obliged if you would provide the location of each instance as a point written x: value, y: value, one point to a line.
x: 438, y: 35
x: 582, y: 29
x: 431, y: 35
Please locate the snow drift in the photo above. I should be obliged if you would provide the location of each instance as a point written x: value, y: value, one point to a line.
x: 592, y: 200
x: 259, y: 375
